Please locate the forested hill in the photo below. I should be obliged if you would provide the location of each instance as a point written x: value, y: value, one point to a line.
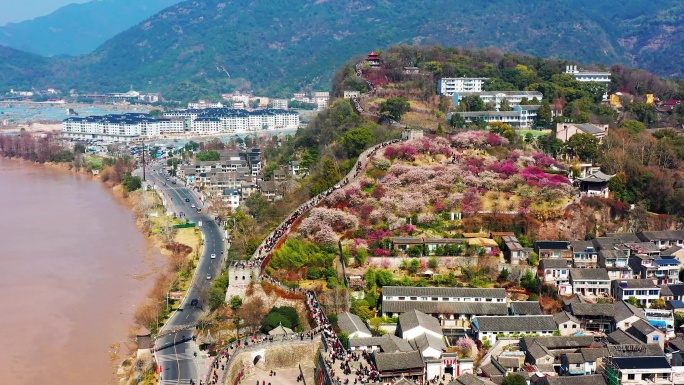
x: 207, y: 46
x: 77, y: 29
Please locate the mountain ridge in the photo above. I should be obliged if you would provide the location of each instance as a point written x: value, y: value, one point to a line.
x: 276, y: 47
x: 56, y: 34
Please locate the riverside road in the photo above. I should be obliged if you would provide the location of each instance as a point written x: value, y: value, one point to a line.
x: 176, y: 353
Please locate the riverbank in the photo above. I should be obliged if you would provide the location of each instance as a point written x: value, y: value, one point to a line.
x: 156, y: 276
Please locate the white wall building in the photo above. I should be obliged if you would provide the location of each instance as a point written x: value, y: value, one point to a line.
x: 450, y: 86
x: 513, y: 98
x: 118, y: 128
x: 223, y: 120
x: 588, y: 76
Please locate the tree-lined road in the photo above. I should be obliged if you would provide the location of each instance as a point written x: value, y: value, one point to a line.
x: 175, y: 352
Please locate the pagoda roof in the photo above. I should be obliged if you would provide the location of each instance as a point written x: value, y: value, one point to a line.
x: 597, y: 177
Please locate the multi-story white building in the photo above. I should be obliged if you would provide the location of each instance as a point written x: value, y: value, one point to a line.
x: 644, y: 290
x: 118, y: 128
x: 513, y: 98
x: 279, y: 104
x: 520, y: 117
x: 223, y: 120
x: 202, y: 104
x: 450, y: 86
x: 588, y: 76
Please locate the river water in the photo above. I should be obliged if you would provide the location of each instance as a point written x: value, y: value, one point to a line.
x: 68, y: 253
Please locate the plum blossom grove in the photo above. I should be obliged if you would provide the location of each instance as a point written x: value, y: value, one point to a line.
x: 411, y: 187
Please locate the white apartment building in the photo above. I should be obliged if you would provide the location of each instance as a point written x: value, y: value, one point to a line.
x: 118, y: 128
x: 280, y: 104
x: 588, y: 76
x: 520, y: 117
x: 450, y: 86
x: 202, y: 104
x: 513, y: 98
x: 223, y: 120
x: 644, y: 290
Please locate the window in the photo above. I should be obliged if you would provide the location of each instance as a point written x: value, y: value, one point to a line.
x: 656, y: 338
x: 423, y: 298
x: 564, y: 271
x: 565, y: 326
x: 414, y: 298
x: 574, y: 326
x: 630, y: 376
x: 400, y: 298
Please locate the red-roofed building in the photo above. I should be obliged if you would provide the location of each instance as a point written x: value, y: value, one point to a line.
x: 373, y: 60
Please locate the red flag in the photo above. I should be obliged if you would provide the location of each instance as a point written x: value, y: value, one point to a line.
x: 159, y: 369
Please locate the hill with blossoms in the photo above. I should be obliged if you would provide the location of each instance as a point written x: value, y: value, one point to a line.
x: 412, y: 188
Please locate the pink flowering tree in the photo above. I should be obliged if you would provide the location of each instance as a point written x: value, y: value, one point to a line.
x: 466, y: 347
x: 471, y: 203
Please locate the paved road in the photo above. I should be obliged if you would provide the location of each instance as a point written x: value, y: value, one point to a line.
x: 175, y: 352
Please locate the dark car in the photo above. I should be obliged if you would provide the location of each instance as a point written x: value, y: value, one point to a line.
x: 194, y: 302
x: 187, y: 199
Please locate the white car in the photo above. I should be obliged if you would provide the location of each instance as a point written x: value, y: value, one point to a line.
x: 213, y: 256
x: 208, y: 276
x: 193, y: 205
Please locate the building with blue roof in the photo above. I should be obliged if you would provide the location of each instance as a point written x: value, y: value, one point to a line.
x: 208, y: 121
x: 119, y: 127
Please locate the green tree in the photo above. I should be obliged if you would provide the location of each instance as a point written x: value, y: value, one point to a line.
x: 502, y: 129
x: 235, y: 302
x: 471, y: 103
x: 457, y: 121
x: 584, y: 146
x: 658, y: 304
x: 644, y: 112
x: 258, y: 205
x: 131, y: 183
x: 530, y: 282
x: 395, y: 108
x: 344, y: 339
x: 357, y: 140
x: 360, y: 308
x: 79, y: 148
x: 550, y: 144
x: 414, y: 265
x: 208, y: 156
x: 496, y: 84
x: 633, y: 127
x: 156, y: 113
x: 514, y: 379
x: 633, y: 301
x: 544, y: 113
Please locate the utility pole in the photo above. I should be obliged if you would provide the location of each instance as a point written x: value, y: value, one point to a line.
x: 143, y: 159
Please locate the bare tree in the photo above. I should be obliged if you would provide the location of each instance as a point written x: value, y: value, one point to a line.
x: 252, y: 313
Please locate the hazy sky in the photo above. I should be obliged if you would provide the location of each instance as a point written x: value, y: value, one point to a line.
x: 12, y: 11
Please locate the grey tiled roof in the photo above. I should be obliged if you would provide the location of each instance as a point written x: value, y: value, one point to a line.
x: 635, y: 349
x: 593, y: 379
x: 559, y: 342
x: 637, y: 283
x: 387, y: 343
x: 589, y: 274
x: 664, y: 235
x: 592, y: 354
x: 413, y: 319
x: 593, y: 309
x: 469, y: 292
x: 554, y: 263
x: 425, y: 341
x: 470, y: 379
x: 674, y: 290
x: 440, y: 307
x: 526, y: 308
x: 581, y: 245
x: 398, y: 361
x: 623, y: 310
x: 621, y: 337
x: 572, y: 358
x: 670, y: 251
x: 530, y: 323
x: 563, y: 317
x: 351, y: 323
x: 640, y: 329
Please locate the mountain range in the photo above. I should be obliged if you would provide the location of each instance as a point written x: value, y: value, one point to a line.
x: 78, y: 29
x: 204, y: 47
